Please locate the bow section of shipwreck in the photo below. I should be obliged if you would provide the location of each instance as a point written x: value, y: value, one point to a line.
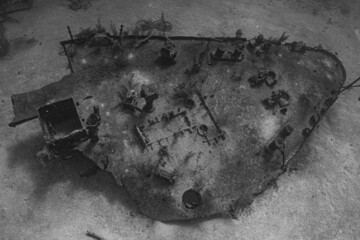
x: 189, y: 126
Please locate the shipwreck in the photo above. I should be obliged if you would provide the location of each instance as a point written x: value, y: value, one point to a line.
x: 189, y: 126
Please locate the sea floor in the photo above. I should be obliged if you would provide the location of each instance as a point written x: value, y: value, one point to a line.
x: 319, y: 199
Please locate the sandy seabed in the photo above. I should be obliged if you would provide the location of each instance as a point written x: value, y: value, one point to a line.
x: 320, y: 200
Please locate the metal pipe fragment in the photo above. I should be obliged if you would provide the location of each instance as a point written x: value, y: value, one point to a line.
x: 71, y: 36
x: 94, y: 236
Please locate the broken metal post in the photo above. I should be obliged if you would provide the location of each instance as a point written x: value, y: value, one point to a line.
x: 71, y: 36
x: 94, y: 236
x: 141, y: 136
x: 121, y: 33
x: 67, y: 56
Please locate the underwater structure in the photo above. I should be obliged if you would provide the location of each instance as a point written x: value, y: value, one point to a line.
x: 189, y: 126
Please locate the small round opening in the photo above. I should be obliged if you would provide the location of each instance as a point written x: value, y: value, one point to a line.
x: 189, y: 103
x: 271, y: 74
x: 191, y: 199
x: 202, y: 130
